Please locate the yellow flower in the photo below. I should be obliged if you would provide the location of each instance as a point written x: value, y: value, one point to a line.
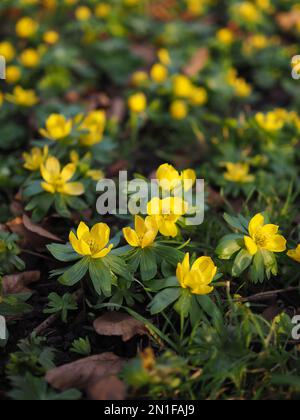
x: 182, y: 86
x: 270, y: 121
x: 169, y: 178
x: 1, y: 98
x: 83, y: 13
x: 95, y: 174
x: 164, y: 57
x: 22, y: 97
x: 137, y: 103
x: 7, y: 50
x: 51, y: 37
x: 198, y: 277
x: 195, y: 7
x: 198, y: 96
x: 35, y: 158
x: 159, y: 73
x: 139, y: 77
x: 102, y: 10
x: 238, y: 172
x: 178, y: 110
x: 92, y: 242
x: 57, y: 179
x: 57, y: 127
x: 248, y: 12
x: 167, y: 212
x: 26, y: 27
x: 241, y: 87
x: 93, y: 125
x: 144, y: 234
x: 30, y: 58
x: 263, y: 236
x: 225, y: 36
x: 264, y: 5
x: 13, y: 74
x: 295, y: 254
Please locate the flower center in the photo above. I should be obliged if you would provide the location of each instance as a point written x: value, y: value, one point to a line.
x: 260, y: 240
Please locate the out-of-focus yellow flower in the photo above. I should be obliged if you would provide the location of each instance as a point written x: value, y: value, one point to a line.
x: 57, y: 180
x: 169, y: 178
x: 95, y: 174
x: 7, y: 50
x: 1, y: 99
x: 198, y: 96
x: 93, y: 125
x: 248, y: 12
x: 241, y: 87
x: 57, y: 127
x: 13, y: 74
x: 91, y: 243
x: 51, y: 37
x: 179, y: 109
x: 182, y: 86
x: 131, y: 2
x: 263, y: 236
x: 83, y: 13
x: 164, y: 57
x: 270, y: 121
x: 264, y: 5
x: 71, y: 2
x: 225, y: 36
x: 22, y: 97
x: 102, y: 10
x: 26, y: 27
x: 137, y: 103
x: 35, y: 158
x: 196, y: 7
x: 159, y: 73
x: 167, y: 212
x: 50, y: 4
x: 238, y: 172
x: 144, y: 234
x: 259, y: 41
x: 84, y: 165
x: 295, y: 254
x: 139, y: 77
x: 30, y: 58
x: 197, y: 278
x: 148, y: 359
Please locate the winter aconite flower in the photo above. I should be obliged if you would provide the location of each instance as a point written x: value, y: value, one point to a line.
x: 295, y: 254
x: 263, y: 236
x: 238, y: 172
x: 35, y: 158
x: 30, y: 58
x: 159, y: 73
x: 57, y: 127
x: 92, y: 242
x: 197, y: 278
x: 26, y: 27
x: 271, y: 121
x: 167, y: 212
x: 144, y: 234
x: 137, y: 103
x: 7, y: 50
x: 57, y: 180
x: 23, y: 97
x: 93, y: 127
x: 179, y: 109
x: 169, y: 178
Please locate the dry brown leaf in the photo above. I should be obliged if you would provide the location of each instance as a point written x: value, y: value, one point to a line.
x: 119, y: 324
x: 197, y: 62
x: 288, y: 20
x: 117, y: 109
x: 108, y: 388
x: 34, y: 235
x: 89, y: 374
x: 17, y: 283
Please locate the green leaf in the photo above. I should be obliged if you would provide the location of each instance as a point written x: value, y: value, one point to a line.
x: 61, y: 206
x: 118, y: 266
x: 184, y: 303
x: 235, y: 223
x: 64, y: 253
x: 101, y: 277
x: 171, y: 255
x: 164, y: 299
x: 257, y: 272
x: 74, y: 274
x: 229, y: 245
x: 241, y: 262
x: 148, y: 264
x: 157, y: 285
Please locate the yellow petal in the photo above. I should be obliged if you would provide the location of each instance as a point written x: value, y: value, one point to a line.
x: 73, y: 188
x: 48, y: 187
x: 103, y: 253
x: 255, y: 224
x: 52, y: 166
x: 151, y: 223
x: 100, y: 233
x: 68, y: 172
x: 154, y: 207
x: 183, y: 269
x: 131, y: 237
x: 148, y: 238
x: 276, y: 244
x: 189, y: 178
x: 270, y: 230
x: 250, y: 245
x: 140, y: 227
x: 79, y: 246
x: 82, y: 230
x: 167, y: 228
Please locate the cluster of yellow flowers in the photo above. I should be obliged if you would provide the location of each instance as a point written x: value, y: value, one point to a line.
x: 241, y: 87
x: 275, y: 120
x: 238, y: 172
x: 90, y: 128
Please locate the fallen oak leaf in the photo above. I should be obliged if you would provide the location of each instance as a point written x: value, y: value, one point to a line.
x: 88, y: 374
x: 197, y: 63
x: 119, y: 324
x: 287, y: 20
x: 39, y: 230
x: 108, y: 388
x: 17, y: 283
